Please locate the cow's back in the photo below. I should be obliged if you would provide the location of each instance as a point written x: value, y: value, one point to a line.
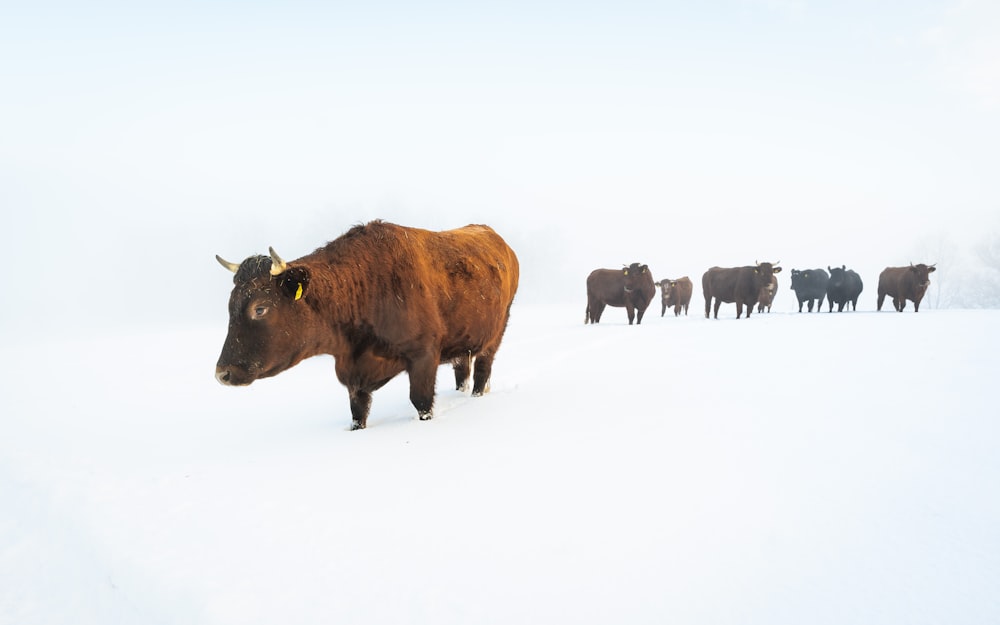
x: 682, y: 291
x: 890, y: 280
x: 405, y: 282
x: 718, y: 282
x: 471, y: 274
x: 606, y: 286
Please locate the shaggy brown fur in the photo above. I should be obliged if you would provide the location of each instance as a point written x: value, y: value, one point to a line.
x: 381, y: 299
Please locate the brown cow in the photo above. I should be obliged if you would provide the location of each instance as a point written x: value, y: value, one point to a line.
x: 741, y: 285
x: 904, y: 283
x: 676, y: 293
x: 766, y: 296
x: 631, y: 287
x: 381, y: 299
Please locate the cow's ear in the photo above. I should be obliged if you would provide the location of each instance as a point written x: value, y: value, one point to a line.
x: 645, y: 268
x: 777, y: 270
x: 931, y: 269
x: 294, y: 282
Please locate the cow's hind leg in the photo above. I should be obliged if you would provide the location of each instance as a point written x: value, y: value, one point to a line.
x: 482, y: 372
x: 596, y: 310
x: 422, y: 372
x: 361, y: 403
x: 463, y: 368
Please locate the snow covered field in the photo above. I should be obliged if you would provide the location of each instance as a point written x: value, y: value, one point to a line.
x: 791, y: 468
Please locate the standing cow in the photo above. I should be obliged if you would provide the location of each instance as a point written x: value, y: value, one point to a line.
x: 904, y: 283
x: 676, y: 293
x: 631, y: 287
x: 844, y: 287
x: 810, y: 286
x: 741, y: 285
x: 766, y: 297
x: 381, y: 299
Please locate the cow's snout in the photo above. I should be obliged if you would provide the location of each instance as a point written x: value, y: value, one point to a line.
x: 234, y: 375
x: 223, y: 376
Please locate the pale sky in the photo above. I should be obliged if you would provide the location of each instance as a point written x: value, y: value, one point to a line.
x: 136, y: 142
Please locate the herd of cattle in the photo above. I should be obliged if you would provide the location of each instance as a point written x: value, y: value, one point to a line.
x: 383, y: 299
x: 633, y: 288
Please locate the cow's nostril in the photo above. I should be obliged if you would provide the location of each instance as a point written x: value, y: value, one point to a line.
x: 222, y: 375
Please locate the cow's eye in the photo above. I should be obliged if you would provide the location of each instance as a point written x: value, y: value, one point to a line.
x: 259, y: 311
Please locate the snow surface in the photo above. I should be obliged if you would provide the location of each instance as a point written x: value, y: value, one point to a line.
x: 791, y: 468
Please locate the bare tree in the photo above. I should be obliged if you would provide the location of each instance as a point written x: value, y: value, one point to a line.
x: 942, y: 252
x: 986, y: 273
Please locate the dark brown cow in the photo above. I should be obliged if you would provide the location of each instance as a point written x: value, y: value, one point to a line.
x: 631, y: 287
x: 766, y: 296
x: 676, y: 293
x: 741, y: 285
x: 381, y: 299
x: 904, y: 283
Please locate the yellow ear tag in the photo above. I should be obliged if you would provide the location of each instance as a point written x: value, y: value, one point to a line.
x: 298, y: 292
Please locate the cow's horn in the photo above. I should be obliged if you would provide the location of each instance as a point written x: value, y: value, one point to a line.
x: 278, y: 266
x: 228, y: 265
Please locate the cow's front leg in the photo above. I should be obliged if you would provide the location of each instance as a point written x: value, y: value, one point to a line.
x: 361, y: 403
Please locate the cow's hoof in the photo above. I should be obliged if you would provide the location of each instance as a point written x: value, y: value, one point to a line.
x: 426, y: 416
x: 357, y: 425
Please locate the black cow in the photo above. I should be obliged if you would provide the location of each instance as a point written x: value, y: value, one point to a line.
x: 844, y: 286
x: 810, y: 286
